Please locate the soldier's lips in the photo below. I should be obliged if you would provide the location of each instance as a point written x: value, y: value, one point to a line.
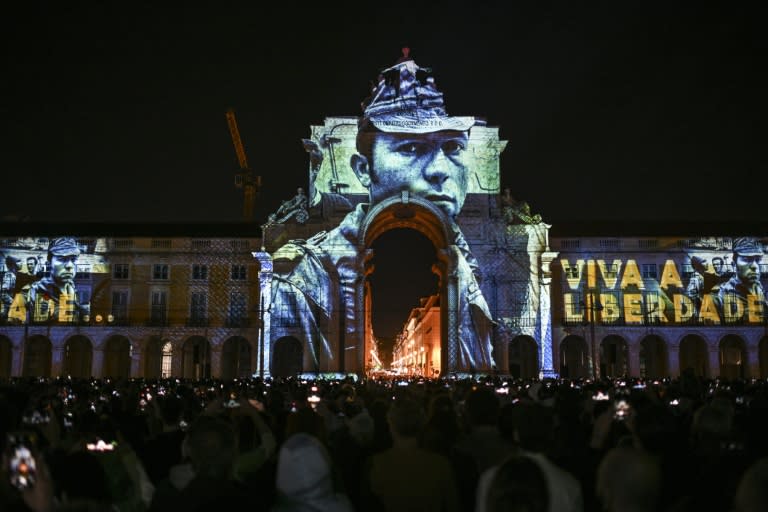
x: 440, y: 199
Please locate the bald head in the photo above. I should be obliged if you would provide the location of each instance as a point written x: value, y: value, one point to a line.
x: 628, y: 480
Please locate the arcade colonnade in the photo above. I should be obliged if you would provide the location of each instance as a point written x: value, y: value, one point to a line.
x: 639, y: 353
x: 120, y: 354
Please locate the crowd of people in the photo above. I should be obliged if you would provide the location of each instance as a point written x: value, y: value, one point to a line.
x: 454, y: 444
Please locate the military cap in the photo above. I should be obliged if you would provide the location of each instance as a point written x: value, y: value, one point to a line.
x: 747, y: 247
x: 63, y: 247
x: 406, y: 100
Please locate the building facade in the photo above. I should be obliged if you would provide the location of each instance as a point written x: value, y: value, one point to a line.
x: 193, y: 307
x: 417, y: 346
x: 655, y: 306
x: 148, y: 306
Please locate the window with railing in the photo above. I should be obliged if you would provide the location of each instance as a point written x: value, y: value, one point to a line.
x: 198, y: 309
x: 121, y: 271
x: 200, y: 272
x: 237, y: 315
x: 159, y: 308
x: 650, y: 271
x: 571, y: 272
x: 120, y: 307
x: 288, y: 314
x: 238, y: 272
x: 160, y: 272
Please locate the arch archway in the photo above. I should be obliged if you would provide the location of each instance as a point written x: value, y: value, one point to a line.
x: 236, y: 358
x: 694, y: 355
x: 37, y: 357
x: 654, y: 361
x: 196, y: 358
x: 523, y: 357
x: 78, y: 357
x: 117, y: 357
x: 411, y: 212
x: 614, y: 357
x: 287, y: 357
x: 733, y: 358
x: 166, y: 353
x: 6, y: 357
x: 574, y: 357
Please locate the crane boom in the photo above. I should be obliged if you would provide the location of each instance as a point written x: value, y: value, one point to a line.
x: 245, y: 178
x: 236, y: 139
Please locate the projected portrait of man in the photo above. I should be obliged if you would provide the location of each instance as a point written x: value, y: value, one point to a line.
x: 54, y: 296
x: 742, y: 298
x: 8, y: 285
x: 406, y: 142
x: 706, y: 278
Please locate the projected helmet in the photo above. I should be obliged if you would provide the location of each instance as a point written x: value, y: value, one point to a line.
x: 63, y: 247
x: 406, y: 100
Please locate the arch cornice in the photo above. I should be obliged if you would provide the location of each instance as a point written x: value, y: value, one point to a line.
x: 406, y: 211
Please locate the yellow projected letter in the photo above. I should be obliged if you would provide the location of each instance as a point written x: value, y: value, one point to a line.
x: 754, y: 309
x: 683, y: 302
x: 708, y: 310
x: 669, y: 276
x: 633, y: 308
x: 611, y: 311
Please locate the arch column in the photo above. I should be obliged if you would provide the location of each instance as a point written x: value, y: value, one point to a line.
x: 263, y: 351
x: 714, y: 360
x: 17, y: 359
x: 546, y: 363
x: 137, y: 363
x: 673, y: 358
x: 753, y: 354
x: 503, y: 355
x: 215, y: 361
x: 57, y: 359
x: 450, y: 291
x: 97, y: 364
x: 177, y: 354
x: 633, y: 351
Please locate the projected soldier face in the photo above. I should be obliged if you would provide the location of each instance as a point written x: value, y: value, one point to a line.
x: 428, y: 165
x: 63, y: 268
x: 748, y: 268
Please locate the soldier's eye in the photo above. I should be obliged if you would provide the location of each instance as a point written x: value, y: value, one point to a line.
x: 412, y: 149
x: 453, y: 147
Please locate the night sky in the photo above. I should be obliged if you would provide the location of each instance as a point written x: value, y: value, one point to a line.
x: 116, y: 112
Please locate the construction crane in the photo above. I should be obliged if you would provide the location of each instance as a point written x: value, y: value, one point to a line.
x: 245, y: 178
